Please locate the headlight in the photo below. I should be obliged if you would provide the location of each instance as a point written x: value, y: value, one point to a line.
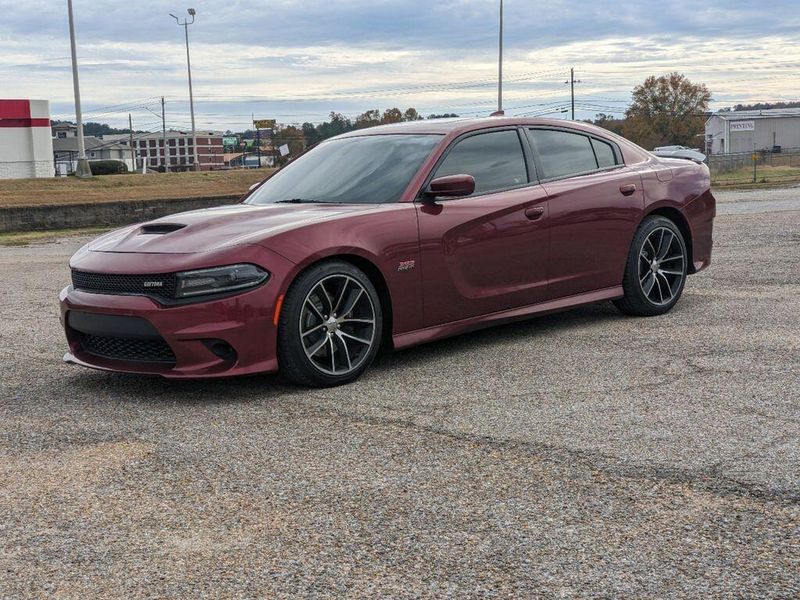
x: 218, y: 280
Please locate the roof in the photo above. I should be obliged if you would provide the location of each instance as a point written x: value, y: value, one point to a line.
x: 70, y: 144
x: 451, y: 128
x: 461, y: 125
x: 770, y: 113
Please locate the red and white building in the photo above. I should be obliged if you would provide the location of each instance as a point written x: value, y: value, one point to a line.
x: 26, y: 144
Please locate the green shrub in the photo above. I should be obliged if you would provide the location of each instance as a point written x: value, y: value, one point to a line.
x: 108, y: 167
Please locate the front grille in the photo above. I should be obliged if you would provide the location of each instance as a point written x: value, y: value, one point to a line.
x: 159, y: 286
x: 133, y: 349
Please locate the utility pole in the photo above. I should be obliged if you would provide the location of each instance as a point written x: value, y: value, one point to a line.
x: 572, y: 81
x: 185, y: 24
x: 164, y: 135
x: 83, y: 170
x: 500, y: 65
x: 130, y: 140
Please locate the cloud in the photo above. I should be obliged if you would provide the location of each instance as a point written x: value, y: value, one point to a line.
x: 297, y: 60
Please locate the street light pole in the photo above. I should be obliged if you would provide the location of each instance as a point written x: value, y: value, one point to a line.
x: 83, y: 170
x: 500, y: 65
x: 185, y: 24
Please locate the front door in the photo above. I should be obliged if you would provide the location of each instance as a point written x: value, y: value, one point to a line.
x: 488, y: 251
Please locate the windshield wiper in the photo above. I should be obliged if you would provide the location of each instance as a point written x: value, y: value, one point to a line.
x: 295, y: 201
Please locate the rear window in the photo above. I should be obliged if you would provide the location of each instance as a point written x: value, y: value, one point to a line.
x: 563, y: 153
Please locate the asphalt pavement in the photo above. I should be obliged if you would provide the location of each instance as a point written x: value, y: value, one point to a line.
x: 583, y: 454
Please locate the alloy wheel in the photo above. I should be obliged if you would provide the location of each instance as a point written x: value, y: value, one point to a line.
x: 661, y: 266
x: 337, y: 325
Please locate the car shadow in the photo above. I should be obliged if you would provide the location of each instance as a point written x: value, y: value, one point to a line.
x: 255, y: 388
x: 499, y: 336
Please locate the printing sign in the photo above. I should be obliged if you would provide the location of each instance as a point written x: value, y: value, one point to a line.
x: 743, y: 126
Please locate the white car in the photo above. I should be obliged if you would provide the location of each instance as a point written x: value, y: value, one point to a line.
x: 680, y: 152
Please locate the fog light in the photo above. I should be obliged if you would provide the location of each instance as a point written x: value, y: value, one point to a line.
x: 221, y: 349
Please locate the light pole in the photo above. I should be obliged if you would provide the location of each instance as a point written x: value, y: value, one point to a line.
x: 185, y: 24
x: 500, y: 65
x: 83, y: 170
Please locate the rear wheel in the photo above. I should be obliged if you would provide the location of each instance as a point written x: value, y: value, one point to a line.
x: 330, y: 325
x: 655, y: 272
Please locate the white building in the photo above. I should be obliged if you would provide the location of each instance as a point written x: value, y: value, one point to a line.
x: 65, y: 149
x: 26, y: 147
x: 775, y: 129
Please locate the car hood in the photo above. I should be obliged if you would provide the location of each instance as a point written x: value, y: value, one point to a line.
x: 218, y: 228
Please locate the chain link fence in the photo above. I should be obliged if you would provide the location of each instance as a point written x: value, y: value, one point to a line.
x: 759, y: 166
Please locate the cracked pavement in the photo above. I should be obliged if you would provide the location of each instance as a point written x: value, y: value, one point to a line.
x: 583, y: 454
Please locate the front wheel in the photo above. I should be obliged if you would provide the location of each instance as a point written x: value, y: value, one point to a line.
x: 655, y: 272
x: 330, y: 325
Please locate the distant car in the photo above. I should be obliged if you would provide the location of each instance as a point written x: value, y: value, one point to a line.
x: 680, y: 152
x: 393, y: 235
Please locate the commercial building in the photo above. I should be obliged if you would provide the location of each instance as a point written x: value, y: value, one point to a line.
x: 26, y: 148
x: 178, y: 153
x: 775, y: 130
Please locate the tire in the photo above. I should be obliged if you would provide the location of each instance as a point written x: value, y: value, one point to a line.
x: 655, y: 271
x: 330, y: 326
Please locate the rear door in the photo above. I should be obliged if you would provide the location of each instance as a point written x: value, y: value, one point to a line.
x: 595, y: 203
x: 488, y: 251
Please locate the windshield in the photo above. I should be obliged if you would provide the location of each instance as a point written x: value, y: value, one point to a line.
x: 370, y: 169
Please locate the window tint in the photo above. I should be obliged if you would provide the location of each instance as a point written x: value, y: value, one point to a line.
x: 494, y: 159
x: 562, y: 153
x: 604, y: 153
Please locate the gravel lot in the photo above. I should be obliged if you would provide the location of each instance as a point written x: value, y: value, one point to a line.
x: 577, y: 455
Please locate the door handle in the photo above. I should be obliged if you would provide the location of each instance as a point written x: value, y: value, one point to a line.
x: 534, y: 212
x: 627, y: 189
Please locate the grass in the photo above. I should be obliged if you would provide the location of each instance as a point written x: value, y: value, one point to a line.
x: 114, y: 188
x: 24, y: 238
x: 765, y: 174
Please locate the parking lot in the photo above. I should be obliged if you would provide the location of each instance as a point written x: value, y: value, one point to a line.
x: 578, y: 454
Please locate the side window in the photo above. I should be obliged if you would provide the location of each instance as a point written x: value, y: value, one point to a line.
x: 494, y: 159
x: 605, y: 154
x: 562, y: 153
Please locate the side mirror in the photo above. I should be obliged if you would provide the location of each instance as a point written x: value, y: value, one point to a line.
x: 451, y: 186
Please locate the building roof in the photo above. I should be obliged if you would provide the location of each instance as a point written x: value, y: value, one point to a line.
x: 770, y: 113
x: 70, y: 144
x: 171, y: 133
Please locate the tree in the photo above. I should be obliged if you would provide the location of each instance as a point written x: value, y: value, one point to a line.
x: 391, y: 115
x: 411, y: 114
x: 667, y: 110
x: 292, y: 137
x: 443, y: 116
x: 609, y: 122
x: 371, y: 118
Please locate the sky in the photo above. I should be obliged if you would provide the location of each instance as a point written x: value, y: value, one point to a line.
x: 297, y: 61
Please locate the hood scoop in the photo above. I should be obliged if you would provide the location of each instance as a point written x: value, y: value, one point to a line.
x: 160, y: 228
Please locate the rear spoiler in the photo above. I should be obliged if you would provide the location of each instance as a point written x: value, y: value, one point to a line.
x: 665, y: 155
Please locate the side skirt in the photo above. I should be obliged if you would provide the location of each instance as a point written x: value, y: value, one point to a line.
x: 436, y: 332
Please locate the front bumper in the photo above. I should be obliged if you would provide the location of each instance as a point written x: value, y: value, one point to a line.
x: 242, y: 322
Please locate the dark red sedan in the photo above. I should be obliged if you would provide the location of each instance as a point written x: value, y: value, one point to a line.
x: 395, y: 235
